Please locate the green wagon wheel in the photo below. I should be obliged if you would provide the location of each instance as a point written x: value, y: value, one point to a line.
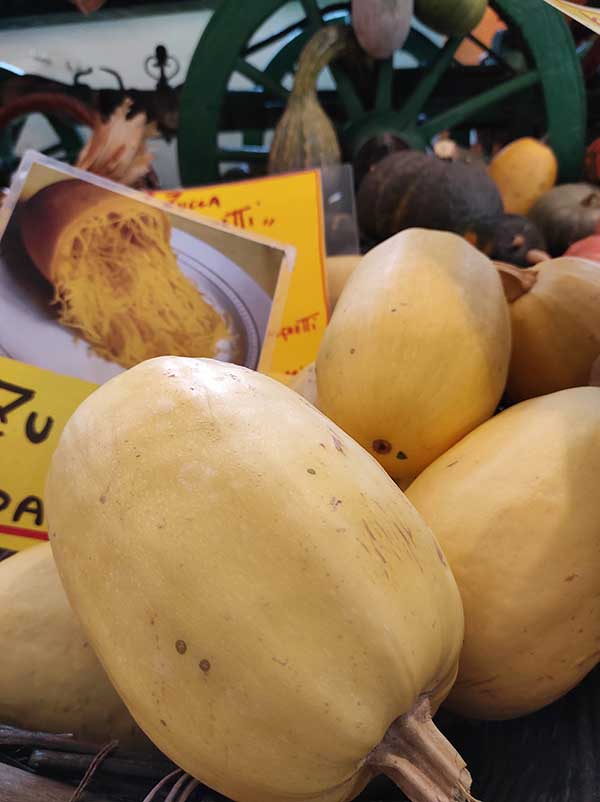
x: 541, y: 92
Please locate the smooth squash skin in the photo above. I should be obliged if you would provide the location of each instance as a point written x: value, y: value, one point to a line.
x: 556, y: 327
x: 523, y: 171
x: 417, y: 350
x: 262, y: 595
x: 305, y: 383
x: 50, y: 679
x: 517, y: 510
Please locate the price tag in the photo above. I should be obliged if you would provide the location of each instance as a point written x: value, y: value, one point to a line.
x: 35, y: 405
x: 290, y: 208
x: 590, y: 17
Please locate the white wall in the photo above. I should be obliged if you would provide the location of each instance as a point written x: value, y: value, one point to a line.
x: 58, y: 51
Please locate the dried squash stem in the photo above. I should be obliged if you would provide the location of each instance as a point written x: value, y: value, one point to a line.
x: 420, y: 760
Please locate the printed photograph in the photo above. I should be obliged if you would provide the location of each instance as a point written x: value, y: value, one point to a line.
x: 94, y: 280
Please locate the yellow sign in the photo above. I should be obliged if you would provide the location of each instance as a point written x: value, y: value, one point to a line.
x: 35, y: 405
x: 590, y: 17
x: 289, y: 209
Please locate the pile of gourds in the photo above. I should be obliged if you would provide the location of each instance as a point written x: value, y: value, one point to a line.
x: 269, y: 606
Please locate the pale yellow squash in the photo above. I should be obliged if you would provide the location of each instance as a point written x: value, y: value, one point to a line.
x: 305, y: 383
x: 523, y: 171
x: 517, y: 510
x: 262, y: 595
x: 416, y: 353
x: 555, y: 312
x: 338, y: 270
x: 50, y: 679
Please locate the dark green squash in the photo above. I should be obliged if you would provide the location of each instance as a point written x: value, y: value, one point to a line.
x: 451, y: 17
x: 512, y: 238
x: 410, y: 189
x: 566, y: 214
x: 305, y: 136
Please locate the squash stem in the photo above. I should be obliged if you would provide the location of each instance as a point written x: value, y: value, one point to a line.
x: 420, y: 760
x: 516, y: 281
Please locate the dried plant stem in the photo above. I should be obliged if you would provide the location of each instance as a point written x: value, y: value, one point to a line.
x: 165, y: 781
x: 92, y: 768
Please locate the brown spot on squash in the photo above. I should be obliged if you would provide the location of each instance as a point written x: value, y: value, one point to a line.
x: 382, y: 446
x: 204, y: 665
x: 181, y: 646
x: 311, y: 471
x: 337, y: 443
x: 102, y: 499
x: 571, y: 577
x: 163, y: 722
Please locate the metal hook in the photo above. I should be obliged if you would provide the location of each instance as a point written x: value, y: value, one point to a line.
x: 116, y: 75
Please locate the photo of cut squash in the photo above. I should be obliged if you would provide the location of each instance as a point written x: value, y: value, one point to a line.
x: 116, y: 280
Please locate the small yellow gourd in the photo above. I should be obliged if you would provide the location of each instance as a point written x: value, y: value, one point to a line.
x: 523, y: 171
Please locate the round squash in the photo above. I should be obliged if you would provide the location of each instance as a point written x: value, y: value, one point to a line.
x: 586, y: 248
x: 305, y: 384
x: 517, y: 510
x: 410, y: 189
x: 381, y: 26
x: 456, y: 18
x: 523, y: 171
x: 591, y: 168
x: 555, y: 326
x: 269, y: 604
x: 50, y: 678
x: 417, y: 350
x: 338, y: 270
x: 567, y: 213
x: 512, y: 238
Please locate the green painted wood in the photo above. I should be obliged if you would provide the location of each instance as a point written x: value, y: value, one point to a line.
x: 469, y: 108
x: 440, y: 100
x: 551, y: 45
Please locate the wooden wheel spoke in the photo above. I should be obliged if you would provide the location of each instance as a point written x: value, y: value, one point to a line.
x: 463, y: 111
x: 383, y: 91
x: 313, y: 12
x: 261, y: 78
x: 417, y: 100
x: 347, y: 93
x: 492, y: 53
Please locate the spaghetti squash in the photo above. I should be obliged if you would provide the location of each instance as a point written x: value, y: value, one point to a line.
x: 116, y: 280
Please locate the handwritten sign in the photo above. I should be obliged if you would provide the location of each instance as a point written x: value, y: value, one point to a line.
x: 590, y: 17
x: 35, y: 405
x: 289, y: 209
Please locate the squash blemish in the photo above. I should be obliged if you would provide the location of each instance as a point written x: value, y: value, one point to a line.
x: 401, y: 455
x: 311, y: 471
x: 382, y: 446
x: 204, y: 666
x: 181, y: 646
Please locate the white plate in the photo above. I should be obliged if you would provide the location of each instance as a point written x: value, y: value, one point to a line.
x: 30, y: 333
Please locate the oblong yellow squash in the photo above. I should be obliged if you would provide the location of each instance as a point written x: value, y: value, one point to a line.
x: 417, y: 350
x: 50, y: 678
x: 305, y: 383
x: 517, y: 510
x: 523, y: 171
x: 262, y: 595
x: 555, y: 313
x: 338, y: 270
